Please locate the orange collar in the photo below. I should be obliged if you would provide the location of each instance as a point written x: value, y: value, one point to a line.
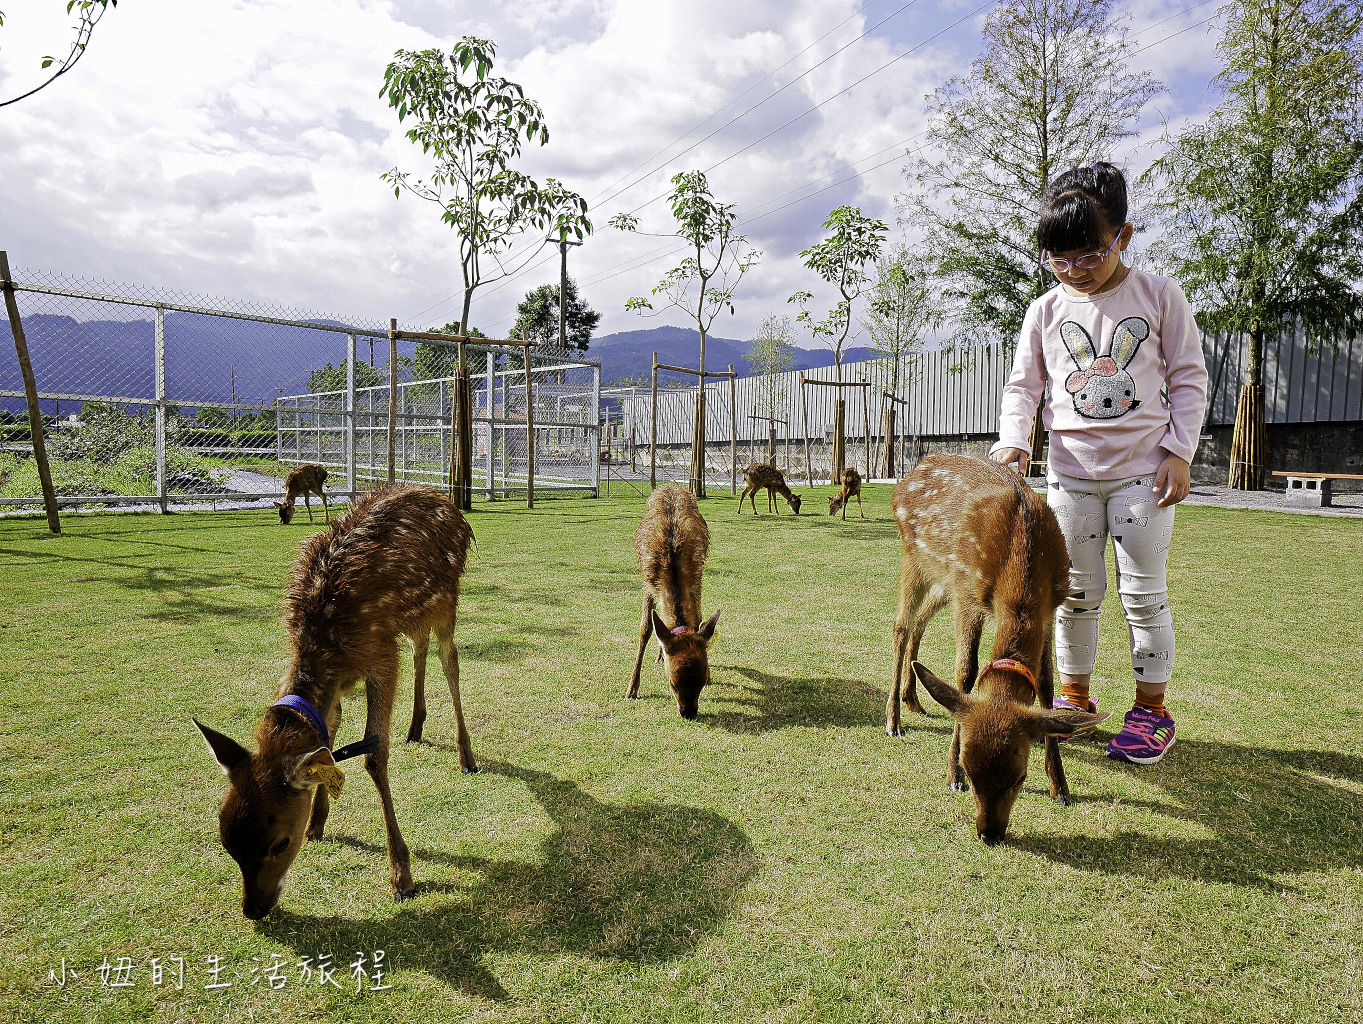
x: 1017, y: 667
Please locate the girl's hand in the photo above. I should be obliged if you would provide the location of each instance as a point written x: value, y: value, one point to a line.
x: 1018, y: 457
x: 1173, y: 481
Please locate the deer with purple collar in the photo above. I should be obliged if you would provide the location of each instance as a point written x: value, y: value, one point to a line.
x: 672, y: 543
x: 974, y: 534
x: 390, y: 567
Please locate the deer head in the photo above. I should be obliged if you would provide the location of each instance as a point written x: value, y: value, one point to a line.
x: 687, y: 660
x: 263, y: 820
x: 795, y: 503
x: 285, y: 509
x: 996, y: 742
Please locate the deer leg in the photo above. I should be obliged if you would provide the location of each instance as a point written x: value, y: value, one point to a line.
x: 843, y: 505
x: 379, y: 686
x: 956, y: 779
x: 449, y: 663
x: 859, y: 508
x: 326, y: 510
x: 905, y: 628
x: 969, y: 625
x: 645, y: 631
x: 307, y: 502
x: 1045, y: 692
x: 420, y: 649
x: 321, y: 806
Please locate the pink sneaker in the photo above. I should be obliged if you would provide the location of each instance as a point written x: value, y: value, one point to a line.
x: 1145, y: 737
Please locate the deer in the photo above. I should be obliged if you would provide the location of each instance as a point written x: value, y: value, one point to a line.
x: 762, y: 474
x: 975, y: 534
x: 303, y: 480
x: 672, y: 543
x: 389, y: 567
x: 851, y: 487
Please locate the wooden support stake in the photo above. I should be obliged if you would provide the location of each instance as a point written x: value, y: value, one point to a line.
x: 733, y: 431
x: 35, y: 416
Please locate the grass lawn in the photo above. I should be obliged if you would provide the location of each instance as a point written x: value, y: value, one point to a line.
x: 780, y: 859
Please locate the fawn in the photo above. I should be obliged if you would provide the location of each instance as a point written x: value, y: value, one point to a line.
x: 672, y: 543
x: 303, y: 480
x: 760, y: 474
x: 851, y: 487
x: 389, y: 567
x: 975, y: 534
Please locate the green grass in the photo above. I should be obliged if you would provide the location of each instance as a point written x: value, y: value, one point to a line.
x: 780, y: 859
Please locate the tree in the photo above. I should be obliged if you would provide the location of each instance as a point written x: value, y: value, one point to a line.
x: 1263, y: 202
x: 771, y: 353
x: 437, y: 361
x: 1050, y: 90
x: 720, y: 258
x: 333, y: 378
x: 475, y: 125
x: 901, y: 310
x: 853, y: 242
x: 91, y: 11
x: 537, y: 317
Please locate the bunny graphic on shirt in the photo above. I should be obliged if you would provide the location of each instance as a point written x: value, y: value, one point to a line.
x: 1101, y: 387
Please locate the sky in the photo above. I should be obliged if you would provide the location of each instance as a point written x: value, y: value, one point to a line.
x: 233, y: 148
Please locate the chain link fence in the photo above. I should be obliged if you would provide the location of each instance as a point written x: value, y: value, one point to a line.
x: 150, y: 397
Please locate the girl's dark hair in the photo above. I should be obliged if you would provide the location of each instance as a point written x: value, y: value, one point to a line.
x: 1081, y: 206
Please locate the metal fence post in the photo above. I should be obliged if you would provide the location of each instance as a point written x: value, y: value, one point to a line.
x: 350, y: 415
x: 161, y: 407
x: 491, y: 399
x: 596, y: 406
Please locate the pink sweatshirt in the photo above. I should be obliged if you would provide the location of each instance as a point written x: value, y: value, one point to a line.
x: 1102, y: 362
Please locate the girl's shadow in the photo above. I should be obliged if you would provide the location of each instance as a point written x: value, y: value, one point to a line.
x: 642, y: 882
x: 1261, y: 813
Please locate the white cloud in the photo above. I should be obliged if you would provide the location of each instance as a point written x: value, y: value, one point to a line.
x: 234, y: 147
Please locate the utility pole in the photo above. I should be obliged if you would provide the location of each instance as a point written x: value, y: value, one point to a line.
x: 563, y: 244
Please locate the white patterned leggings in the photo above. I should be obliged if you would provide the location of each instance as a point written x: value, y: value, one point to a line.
x: 1088, y: 511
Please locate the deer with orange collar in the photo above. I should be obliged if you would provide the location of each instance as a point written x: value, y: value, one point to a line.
x: 973, y: 533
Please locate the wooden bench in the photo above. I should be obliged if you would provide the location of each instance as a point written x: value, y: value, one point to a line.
x: 1312, y: 490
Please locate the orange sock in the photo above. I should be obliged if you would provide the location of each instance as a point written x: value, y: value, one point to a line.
x: 1154, y: 705
x: 1075, y: 693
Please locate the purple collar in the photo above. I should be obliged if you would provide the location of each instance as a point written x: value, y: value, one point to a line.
x: 305, y: 708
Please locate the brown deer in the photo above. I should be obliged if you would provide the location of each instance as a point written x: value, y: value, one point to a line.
x: 761, y: 474
x: 851, y: 487
x: 389, y: 567
x: 672, y: 543
x: 975, y: 534
x: 303, y: 480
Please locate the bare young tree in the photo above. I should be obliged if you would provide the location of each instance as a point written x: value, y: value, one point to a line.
x: 770, y: 354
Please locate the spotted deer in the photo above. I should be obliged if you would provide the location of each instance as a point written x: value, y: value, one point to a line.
x: 389, y: 567
x: 851, y: 487
x: 672, y: 543
x: 302, y: 481
x: 759, y: 475
x: 975, y: 534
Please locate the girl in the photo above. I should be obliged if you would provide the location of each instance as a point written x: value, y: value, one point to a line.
x: 1117, y: 358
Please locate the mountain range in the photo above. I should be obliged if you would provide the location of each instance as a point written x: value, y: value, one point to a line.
x: 222, y: 359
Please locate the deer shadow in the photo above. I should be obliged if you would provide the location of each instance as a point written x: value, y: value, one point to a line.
x: 1264, y: 813
x: 640, y: 882
x: 781, y: 702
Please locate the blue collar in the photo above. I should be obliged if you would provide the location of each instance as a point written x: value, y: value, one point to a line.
x: 305, y: 708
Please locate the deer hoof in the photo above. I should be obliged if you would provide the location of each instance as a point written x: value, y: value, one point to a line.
x: 892, y: 731
x: 403, y: 895
x: 469, y: 769
x: 1063, y: 799
x: 413, y: 735
x: 960, y: 787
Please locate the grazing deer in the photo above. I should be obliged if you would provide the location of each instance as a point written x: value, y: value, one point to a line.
x: 975, y: 534
x: 303, y: 480
x: 759, y: 475
x: 672, y: 543
x: 851, y: 487
x: 389, y: 567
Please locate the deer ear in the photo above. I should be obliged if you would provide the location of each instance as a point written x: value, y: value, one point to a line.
x: 942, y: 692
x: 226, y: 751
x: 661, y: 630
x: 707, y: 628
x: 314, y: 769
x: 1063, y: 721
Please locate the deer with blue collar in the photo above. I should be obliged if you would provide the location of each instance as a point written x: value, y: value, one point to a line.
x: 975, y: 534
x: 391, y: 566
